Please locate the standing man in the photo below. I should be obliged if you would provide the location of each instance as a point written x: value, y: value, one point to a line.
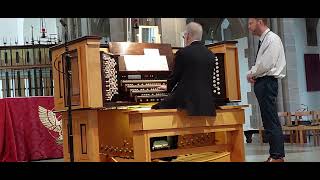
x: 269, y: 67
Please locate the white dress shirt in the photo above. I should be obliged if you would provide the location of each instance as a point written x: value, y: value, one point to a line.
x: 270, y: 58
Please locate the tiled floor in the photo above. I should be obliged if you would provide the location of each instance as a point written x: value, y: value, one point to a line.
x: 257, y: 152
x: 294, y: 153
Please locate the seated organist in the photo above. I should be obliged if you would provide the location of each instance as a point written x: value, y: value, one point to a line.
x: 190, y: 83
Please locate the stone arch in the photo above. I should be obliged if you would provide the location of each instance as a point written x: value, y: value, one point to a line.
x: 212, y: 30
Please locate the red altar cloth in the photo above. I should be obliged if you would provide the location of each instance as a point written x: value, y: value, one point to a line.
x: 23, y: 137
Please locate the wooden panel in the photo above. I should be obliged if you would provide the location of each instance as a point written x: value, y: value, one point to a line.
x: 75, y: 82
x: 115, y: 124
x: 88, y: 73
x: 221, y: 137
x: 93, y: 136
x: 94, y: 75
x: 232, y: 74
x: 164, y: 120
x: 236, y: 139
x: 136, y: 121
x: 141, y: 147
x: 82, y: 65
x: 83, y: 135
x: 88, y: 139
x: 132, y: 48
x: 58, y: 79
x: 78, y: 118
x: 66, y: 154
x: 84, y: 79
x: 218, y: 49
x: 159, y: 121
x: 194, y: 130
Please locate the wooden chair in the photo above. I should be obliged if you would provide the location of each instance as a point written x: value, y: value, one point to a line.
x: 316, y: 124
x: 286, y: 123
x: 306, y: 125
x: 316, y: 117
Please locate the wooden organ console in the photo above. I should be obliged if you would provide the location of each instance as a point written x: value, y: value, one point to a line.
x: 112, y: 92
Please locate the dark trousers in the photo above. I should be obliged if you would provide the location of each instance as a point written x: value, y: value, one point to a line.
x: 266, y: 90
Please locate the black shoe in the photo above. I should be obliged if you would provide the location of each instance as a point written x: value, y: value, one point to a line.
x: 169, y: 158
x: 270, y: 159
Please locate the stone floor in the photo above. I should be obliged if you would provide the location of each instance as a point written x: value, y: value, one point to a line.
x: 257, y: 152
x: 294, y: 153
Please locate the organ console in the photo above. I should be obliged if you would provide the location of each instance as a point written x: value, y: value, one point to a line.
x: 119, y: 73
x: 109, y: 81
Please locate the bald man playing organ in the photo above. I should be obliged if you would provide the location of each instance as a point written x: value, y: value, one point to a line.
x: 191, y: 81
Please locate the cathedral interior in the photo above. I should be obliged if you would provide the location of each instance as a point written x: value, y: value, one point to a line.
x: 33, y: 64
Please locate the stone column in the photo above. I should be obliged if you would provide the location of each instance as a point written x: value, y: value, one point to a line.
x: 171, y: 29
x: 290, y: 89
x: 84, y: 27
x: 117, y: 29
x: 274, y: 26
x: 255, y: 119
